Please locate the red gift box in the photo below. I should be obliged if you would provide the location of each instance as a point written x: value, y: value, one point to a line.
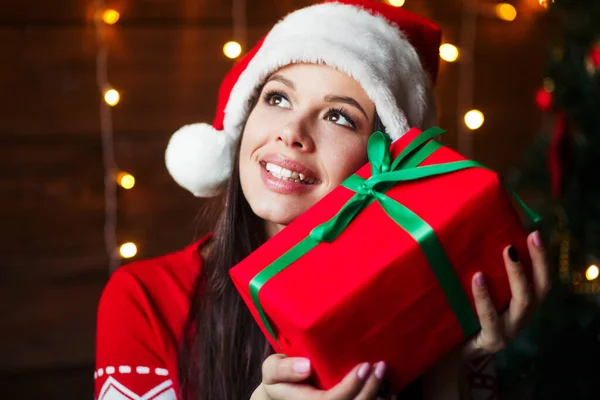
x: 371, y: 293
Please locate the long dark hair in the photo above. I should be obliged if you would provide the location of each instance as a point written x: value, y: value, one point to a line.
x: 223, y: 348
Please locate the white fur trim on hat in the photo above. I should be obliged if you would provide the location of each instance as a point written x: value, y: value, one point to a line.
x: 367, y: 47
x: 200, y: 158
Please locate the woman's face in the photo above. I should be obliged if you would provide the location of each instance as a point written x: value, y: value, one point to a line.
x: 307, y: 133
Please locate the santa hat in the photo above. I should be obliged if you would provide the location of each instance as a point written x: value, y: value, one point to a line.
x: 392, y: 53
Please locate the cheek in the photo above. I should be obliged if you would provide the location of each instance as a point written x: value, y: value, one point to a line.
x: 343, y: 158
x: 252, y: 137
x: 246, y: 160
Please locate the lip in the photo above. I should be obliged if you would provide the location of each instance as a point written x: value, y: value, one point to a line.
x: 280, y: 185
x: 289, y: 164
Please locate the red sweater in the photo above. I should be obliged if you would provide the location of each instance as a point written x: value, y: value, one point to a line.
x: 140, y: 319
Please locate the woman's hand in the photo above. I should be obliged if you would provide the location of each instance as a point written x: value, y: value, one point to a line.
x: 285, y: 378
x: 497, y: 330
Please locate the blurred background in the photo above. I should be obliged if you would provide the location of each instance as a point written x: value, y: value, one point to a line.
x: 92, y: 91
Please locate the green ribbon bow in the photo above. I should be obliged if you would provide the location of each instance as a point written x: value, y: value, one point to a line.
x: 386, y: 174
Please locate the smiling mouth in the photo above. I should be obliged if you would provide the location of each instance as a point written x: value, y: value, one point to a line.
x: 288, y: 175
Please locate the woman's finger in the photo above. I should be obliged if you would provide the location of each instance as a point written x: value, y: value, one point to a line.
x: 351, y: 385
x: 278, y: 368
x: 542, y: 277
x: 371, y: 388
x: 490, y: 338
x: 522, y: 298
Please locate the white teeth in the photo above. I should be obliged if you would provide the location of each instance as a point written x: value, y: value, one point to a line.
x: 288, y: 175
x: 274, y: 168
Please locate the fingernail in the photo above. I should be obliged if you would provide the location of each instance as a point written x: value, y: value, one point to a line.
x: 363, y: 371
x: 512, y: 253
x: 301, y: 366
x: 379, y: 370
x: 537, y: 240
x: 479, y: 280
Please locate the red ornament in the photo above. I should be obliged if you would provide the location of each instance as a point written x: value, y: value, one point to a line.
x: 543, y: 99
x: 556, y: 155
x: 595, y: 55
x: 592, y: 61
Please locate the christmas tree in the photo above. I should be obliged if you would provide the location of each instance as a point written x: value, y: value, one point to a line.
x: 558, y: 355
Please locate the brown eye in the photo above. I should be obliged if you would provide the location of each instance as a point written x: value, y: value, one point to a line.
x: 277, y: 100
x: 339, y: 118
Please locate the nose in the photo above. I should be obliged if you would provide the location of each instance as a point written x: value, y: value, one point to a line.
x: 295, y: 134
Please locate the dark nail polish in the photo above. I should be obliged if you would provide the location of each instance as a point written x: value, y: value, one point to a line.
x: 513, y: 254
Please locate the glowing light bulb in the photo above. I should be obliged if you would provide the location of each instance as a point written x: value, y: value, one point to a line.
x: 232, y: 49
x: 592, y: 272
x: 110, y: 16
x: 546, y: 3
x: 112, y: 97
x: 474, y: 119
x: 396, y: 3
x: 449, y: 52
x: 506, y: 11
x: 127, y: 181
x: 128, y: 250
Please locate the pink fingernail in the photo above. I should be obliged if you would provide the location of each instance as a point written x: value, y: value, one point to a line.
x: 479, y: 280
x: 363, y: 371
x: 380, y: 369
x: 537, y: 240
x: 301, y: 366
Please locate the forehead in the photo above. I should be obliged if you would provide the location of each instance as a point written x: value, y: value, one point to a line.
x: 318, y: 76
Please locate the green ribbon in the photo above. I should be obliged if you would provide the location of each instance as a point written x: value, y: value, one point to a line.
x: 385, y: 175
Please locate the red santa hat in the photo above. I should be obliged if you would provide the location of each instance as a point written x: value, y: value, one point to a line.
x: 392, y: 53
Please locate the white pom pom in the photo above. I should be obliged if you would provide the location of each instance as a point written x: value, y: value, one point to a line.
x: 199, y: 158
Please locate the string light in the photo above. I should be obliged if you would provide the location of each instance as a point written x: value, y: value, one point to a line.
x: 126, y: 180
x: 546, y: 3
x: 103, y: 18
x: 506, y: 12
x: 592, y: 272
x: 232, y: 49
x: 112, y: 97
x: 110, y: 16
x: 474, y: 119
x: 396, y: 3
x: 449, y: 52
x: 128, y: 250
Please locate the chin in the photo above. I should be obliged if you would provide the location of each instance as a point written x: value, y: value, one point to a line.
x: 278, y: 213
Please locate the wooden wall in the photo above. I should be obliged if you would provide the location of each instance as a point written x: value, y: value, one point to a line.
x: 165, y: 58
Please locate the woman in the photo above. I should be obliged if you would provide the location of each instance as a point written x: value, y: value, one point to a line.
x: 293, y: 122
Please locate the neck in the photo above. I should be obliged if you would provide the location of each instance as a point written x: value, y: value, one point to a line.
x: 272, y: 228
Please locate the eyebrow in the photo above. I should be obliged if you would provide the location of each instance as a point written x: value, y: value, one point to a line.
x: 347, y: 100
x: 283, y: 80
x: 329, y: 98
